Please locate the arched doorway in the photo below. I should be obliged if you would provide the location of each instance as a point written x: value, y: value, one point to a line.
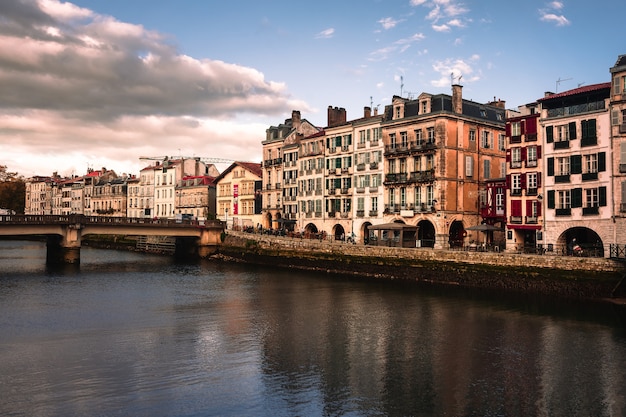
x: 426, y: 234
x: 588, y: 240
x: 457, y: 234
x: 339, y: 233
x: 365, y: 232
x: 310, y: 230
x: 267, y: 224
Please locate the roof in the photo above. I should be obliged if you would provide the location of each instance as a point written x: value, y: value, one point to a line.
x: 580, y: 90
x: 254, y: 167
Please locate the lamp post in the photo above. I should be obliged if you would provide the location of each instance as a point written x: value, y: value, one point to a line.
x: 226, y: 211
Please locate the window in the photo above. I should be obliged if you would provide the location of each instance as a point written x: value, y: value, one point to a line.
x: 591, y: 197
x: 431, y: 134
x: 516, y: 184
x: 487, y: 169
x: 485, y: 139
x: 472, y: 135
x: 374, y: 203
x: 531, y: 156
x: 398, y: 112
x: 563, y: 199
x: 404, y: 139
x: 418, y: 137
x: 403, y: 196
x: 418, y: 196
x: 562, y: 133
x: 516, y: 128
x: 532, y: 183
x: 469, y: 166
x: 562, y: 166
x: 501, y: 144
x: 392, y: 140
x: 590, y: 163
x: 430, y: 193
x: 516, y: 157
x: 424, y: 106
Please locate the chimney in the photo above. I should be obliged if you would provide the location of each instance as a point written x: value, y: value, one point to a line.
x: 367, y: 112
x: 376, y: 111
x: 498, y: 103
x: 548, y: 93
x: 336, y: 116
x: 457, y: 98
x: 296, y: 120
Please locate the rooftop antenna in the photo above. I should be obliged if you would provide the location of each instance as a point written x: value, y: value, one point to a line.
x: 371, y: 102
x: 580, y: 84
x: 559, y: 81
x: 401, y: 84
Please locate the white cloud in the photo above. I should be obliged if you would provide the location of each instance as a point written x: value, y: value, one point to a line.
x: 549, y: 14
x: 560, y: 20
x: 443, y: 9
x: 441, y: 28
x: 454, y: 68
x: 388, y: 23
x: 75, y: 83
x: 325, y: 34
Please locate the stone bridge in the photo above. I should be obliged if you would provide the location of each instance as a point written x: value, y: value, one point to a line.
x: 65, y: 233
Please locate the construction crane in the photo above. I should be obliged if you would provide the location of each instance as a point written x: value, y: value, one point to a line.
x: 206, y: 160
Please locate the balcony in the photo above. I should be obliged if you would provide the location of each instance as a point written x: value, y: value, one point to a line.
x: 563, y: 144
x: 423, y: 146
x: 360, y: 213
x: 344, y: 190
x: 589, y: 176
x: 515, y: 219
x: 391, y: 150
x: 531, y: 164
x: 516, y: 164
x: 561, y: 179
x: 587, y: 211
x: 373, y: 213
x: 531, y: 220
x: 400, y: 178
x: 373, y: 189
x: 589, y: 141
x: 345, y: 214
x: 622, y: 128
x: 360, y: 167
x: 422, y: 176
x: 373, y: 165
x: 563, y: 212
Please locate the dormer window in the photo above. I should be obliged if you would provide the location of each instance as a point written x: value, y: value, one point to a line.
x: 483, y: 113
x: 398, y: 112
x: 424, y: 107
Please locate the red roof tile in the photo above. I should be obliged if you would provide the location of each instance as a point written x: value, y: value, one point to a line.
x: 579, y: 90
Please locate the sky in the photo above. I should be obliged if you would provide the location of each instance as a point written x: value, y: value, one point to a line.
x: 101, y: 83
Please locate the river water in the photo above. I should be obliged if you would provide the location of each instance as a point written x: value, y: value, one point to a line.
x: 128, y: 334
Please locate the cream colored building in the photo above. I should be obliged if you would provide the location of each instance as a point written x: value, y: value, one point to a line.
x: 239, y: 195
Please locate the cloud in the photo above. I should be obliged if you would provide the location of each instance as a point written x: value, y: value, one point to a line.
x: 388, y: 23
x: 454, y: 68
x: 325, y: 34
x: 75, y: 81
x: 560, y: 20
x: 400, y: 46
x: 549, y: 14
x: 441, y: 28
x: 442, y: 9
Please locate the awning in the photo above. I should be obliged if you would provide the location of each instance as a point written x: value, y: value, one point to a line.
x: 524, y: 226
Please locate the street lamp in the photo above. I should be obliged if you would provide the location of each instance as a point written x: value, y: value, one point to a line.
x: 226, y: 211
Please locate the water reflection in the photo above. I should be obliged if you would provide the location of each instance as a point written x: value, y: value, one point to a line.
x: 131, y: 334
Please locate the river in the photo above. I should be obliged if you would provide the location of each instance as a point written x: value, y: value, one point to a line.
x: 130, y: 334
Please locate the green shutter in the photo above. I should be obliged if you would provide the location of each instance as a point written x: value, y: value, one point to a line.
x: 550, y: 199
x: 550, y: 167
x: 601, y: 161
x: 577, y: 197
x: 549, y: 134
x: 572, y: 130
x: 602, y: 196
x: 591, y: 128
x: 575, y: 164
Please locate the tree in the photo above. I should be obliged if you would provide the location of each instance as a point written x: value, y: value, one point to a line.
x: 12, y: 191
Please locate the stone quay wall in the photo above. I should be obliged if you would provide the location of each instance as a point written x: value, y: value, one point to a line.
x: 567, y: 276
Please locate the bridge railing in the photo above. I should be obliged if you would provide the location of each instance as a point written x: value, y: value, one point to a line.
x: 85, y: 220
x: 617, y: 251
